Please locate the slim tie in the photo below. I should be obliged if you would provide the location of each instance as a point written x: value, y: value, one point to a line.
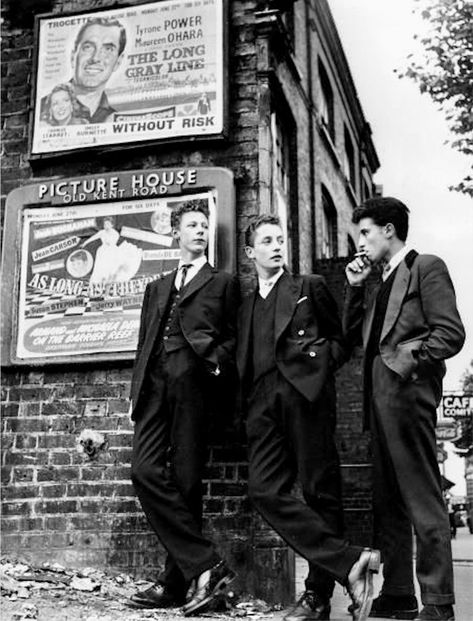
x: 386, y: 271
x: 184, y: 269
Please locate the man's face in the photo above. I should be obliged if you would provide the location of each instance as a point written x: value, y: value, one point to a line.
x: 96, y: 56
x: 193, y: 233
x: 374, y: 240
x: 61, y: 106
x: 268, y: 248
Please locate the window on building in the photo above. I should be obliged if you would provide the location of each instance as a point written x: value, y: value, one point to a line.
x: 349, y: 158
x: 326, y: 102
x: 351, y: 246
x: 288, y: 20
x: 365, y: 190
x: 329, y: 226
x: 284, y: 188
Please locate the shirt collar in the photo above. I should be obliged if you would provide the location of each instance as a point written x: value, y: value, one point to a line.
x: 196, y: 264
x: 104, y: 109
x: 395, y: 260
x: 267, y: 285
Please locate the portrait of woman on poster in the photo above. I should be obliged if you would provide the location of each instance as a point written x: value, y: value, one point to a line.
x: 60, y: 107
x: 113, y: 262
x: 161, y: 220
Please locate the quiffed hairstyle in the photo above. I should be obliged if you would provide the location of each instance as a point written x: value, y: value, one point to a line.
x: 255, y: 223
x: 192, y: 205
x: 384, y: 210
x: 102, y: 21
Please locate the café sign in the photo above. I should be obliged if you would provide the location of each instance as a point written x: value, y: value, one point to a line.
x: 457, y: 405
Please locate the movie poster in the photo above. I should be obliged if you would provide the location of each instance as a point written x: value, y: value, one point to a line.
x: 84, y: 271
x: 147, y: 72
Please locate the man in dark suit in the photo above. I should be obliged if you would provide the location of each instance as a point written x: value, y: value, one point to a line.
x: 185, y: 354
x: 289, y: 344
x: 409, y: 326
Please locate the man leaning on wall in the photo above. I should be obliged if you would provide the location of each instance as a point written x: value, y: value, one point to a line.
x: 184, y: 358
x: 289, y: 345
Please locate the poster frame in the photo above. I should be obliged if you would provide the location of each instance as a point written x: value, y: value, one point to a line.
x: 221, y: 136
x: 213, y: 179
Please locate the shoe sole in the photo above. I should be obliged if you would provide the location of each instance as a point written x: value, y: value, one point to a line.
x: 219, y: 589
x: 144, y: 605
x: 149, y: 606
x: 452, y: 618
x: 408, y: 615
x: 372, y: 568
x: 324, y: 617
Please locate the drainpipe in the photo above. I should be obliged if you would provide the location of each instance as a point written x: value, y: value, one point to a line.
x: 311, y: 111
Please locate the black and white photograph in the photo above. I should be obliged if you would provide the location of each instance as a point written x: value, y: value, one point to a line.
x: 237, y: 310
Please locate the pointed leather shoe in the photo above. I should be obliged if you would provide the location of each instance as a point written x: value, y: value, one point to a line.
x: 206, y: 594
x: 360, y: 583
x: 395, y: 607
x: 309, y: 607
x: 434, y: 612
x: 156, y: 596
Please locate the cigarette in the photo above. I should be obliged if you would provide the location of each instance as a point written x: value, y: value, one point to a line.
x: 360, y: 254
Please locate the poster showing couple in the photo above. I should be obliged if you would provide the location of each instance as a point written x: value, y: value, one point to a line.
x: 84, y: 271
x: 143, y: 73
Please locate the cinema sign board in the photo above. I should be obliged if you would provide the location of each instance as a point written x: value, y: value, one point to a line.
x: 142, y: 73
x: 79, y: 253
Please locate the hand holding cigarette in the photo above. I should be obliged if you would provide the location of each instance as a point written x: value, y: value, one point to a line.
x: 359, y: 269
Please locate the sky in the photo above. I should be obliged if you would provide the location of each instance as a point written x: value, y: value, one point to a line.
x: 409, y: 133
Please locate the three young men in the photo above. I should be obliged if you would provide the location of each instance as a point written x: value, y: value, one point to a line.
x: 409, y: 325
x: 185, y: 351
x: 289, y: 344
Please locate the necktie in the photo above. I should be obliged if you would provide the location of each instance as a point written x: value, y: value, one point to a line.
x: 184, y: 269
x: 386, y: 271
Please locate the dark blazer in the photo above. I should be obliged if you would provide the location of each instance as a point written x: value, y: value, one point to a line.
x: 308, y: 334
x: 422, y: 326
x: 207, y: 310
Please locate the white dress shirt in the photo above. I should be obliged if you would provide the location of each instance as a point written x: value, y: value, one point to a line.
x: 265, y: 286
x: 395, y: 260
x: 194, y: 267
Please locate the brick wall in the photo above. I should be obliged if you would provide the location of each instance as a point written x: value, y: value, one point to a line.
x: 65, y: 502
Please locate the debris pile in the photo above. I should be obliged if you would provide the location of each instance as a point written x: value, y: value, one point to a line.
x: 52, y: 592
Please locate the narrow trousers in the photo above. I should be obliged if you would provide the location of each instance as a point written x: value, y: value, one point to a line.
x: 290, y: 437
x: 169, y: 455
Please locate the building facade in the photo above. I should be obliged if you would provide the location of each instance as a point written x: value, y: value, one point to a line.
x: 295, y: 143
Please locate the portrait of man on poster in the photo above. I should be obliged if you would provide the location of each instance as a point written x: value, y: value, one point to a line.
x: 96, y: 55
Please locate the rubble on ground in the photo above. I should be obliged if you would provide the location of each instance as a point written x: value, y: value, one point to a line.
x: 53, y: 592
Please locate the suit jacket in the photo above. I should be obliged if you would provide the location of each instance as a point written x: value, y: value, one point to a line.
x: 207, y: 311
x: 308, y: 334
x: 421, y: 327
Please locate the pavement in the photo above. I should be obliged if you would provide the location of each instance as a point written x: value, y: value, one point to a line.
x: 462, y: 551
x: 58, y: 603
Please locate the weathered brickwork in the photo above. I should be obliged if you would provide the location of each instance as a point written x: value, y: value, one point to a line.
x: 64, y: 501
